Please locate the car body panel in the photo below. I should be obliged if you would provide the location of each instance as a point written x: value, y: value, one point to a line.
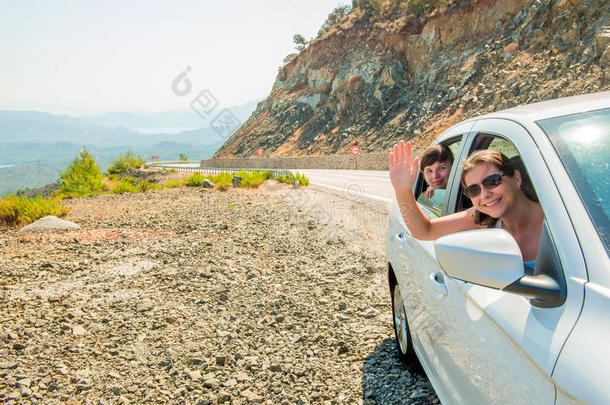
x: 584, y: 365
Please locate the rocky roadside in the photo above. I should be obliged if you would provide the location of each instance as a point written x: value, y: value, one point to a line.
x: 275, y: 296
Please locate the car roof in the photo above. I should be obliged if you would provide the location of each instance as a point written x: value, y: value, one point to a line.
x: 553, y: 108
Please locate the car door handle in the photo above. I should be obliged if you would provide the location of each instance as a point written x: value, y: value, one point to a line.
x: 438, y: 279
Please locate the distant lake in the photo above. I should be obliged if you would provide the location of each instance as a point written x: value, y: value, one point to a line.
x: 171, y: 130
x: 6, y: 166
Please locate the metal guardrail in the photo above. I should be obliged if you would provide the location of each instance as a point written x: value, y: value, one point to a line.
x: 273, y: 173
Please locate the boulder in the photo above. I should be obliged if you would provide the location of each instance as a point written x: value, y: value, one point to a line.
x: 207, y: 184
x: 50, y: 223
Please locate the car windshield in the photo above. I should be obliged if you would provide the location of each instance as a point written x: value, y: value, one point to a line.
x: 583, y: 144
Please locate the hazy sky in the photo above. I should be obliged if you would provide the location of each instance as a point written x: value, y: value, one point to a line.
x: 94, y: 56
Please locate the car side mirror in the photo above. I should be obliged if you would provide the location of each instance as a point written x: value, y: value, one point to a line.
x: 492, y: 258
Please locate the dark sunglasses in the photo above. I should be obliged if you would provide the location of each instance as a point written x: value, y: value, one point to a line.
x: 489, y: 182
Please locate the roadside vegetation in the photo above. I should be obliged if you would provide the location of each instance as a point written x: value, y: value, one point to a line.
x: 16, y: 210
x: 129, y: 161
x: 83, y: 178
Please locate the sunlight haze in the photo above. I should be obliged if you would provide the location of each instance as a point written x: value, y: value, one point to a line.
x: 91, y: 57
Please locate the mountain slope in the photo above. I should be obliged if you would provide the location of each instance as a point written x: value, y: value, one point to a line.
x: 370, y: 82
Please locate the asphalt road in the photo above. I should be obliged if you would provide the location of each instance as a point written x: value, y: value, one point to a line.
x: 370, y: 184
x: 354, y: 184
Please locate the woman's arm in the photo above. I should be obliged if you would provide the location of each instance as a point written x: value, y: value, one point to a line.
x: 403, y: 173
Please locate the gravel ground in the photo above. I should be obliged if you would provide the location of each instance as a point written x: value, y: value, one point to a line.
x: 274, y: 296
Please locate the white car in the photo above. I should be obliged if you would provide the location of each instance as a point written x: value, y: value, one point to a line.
x: 484, y: 328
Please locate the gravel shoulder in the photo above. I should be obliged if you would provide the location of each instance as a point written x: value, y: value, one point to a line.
x: 274, y: 295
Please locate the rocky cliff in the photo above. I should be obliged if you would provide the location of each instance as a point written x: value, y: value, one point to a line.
x: 370, y: 84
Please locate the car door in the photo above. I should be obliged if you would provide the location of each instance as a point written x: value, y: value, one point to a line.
x: 493, y: 346
x: 417, y: 264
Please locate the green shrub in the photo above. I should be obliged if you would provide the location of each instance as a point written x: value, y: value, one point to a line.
x: 333, y: 18
x: 112, y: 176
x: 183, y: 157
x: 195, y: 180
x: 254, y: 179
x: 300, y: 42
x: 289, y: 178
x: 153, y: 186
x: 285, y: 177
x: 124, y: 186
x: 173, y: 184
x: 82, y: 177
x: 21, y: 211
x: 131, y: 180
x: 143, y: 185
x: 303, y: 180
x: 222, y: 180
x: 123, y: 163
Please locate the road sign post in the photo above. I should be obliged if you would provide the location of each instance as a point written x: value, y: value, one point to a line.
x: 355, y: 151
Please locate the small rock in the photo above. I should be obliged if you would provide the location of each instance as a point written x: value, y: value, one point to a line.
x: 78, y: 330
x: 75, y: 313
x: 512, y: 47
x: 18, y: 346
x: 144, y: 306
x: 11, y: 365
x: 236, y: 181
x: 15, y: 396
x: 25, y: 391
x: 242, y: 377
x: 369, y: 313
x: 224, y: 396
x: 194, y: 375
x: 251, y: 397
x: 211, y: 383
x: 221, y: 359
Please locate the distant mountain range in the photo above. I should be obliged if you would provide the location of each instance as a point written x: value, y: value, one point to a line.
x: 49, y: 142
x: 185, y: 118
x: 114, y: 129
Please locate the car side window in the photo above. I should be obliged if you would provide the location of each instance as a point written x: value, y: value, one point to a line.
x: 504, y: 146
x: 428, y: 197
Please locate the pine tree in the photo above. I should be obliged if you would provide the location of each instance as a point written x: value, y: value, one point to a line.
x: 123, y: 163
x: 83, y: 177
